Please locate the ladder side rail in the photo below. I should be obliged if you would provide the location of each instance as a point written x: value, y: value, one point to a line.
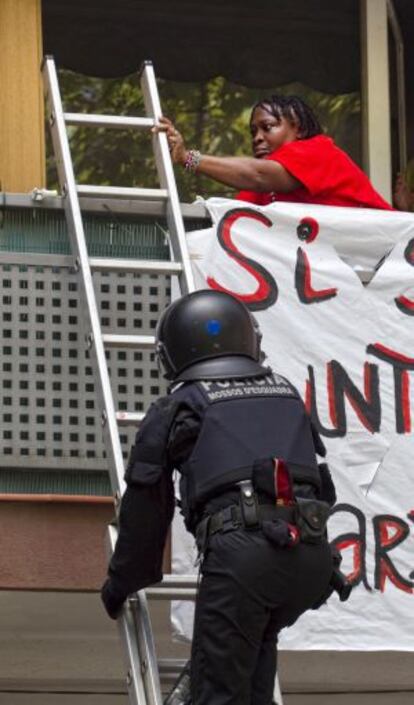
x: 146, y: 647
x: 167, y: 180
x: 127, y: 627
x: 133, y: 662
x: 77, y: 237
x: 134, y: 625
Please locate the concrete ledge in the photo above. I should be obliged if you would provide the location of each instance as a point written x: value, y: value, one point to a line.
x: 63, y: 643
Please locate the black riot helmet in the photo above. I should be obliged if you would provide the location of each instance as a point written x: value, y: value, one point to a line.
x: 208, y: 335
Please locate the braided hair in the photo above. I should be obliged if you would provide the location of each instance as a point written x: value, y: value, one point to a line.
x: 293, y: 109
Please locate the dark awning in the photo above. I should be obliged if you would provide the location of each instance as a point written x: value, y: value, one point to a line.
x: 260, y: 43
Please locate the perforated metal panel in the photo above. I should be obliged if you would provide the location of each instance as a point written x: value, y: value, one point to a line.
x: 48, y: 408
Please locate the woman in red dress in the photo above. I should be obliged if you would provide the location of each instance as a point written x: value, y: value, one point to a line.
x: 293, y: 160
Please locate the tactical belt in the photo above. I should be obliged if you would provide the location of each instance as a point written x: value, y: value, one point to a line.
x: 231, y: 518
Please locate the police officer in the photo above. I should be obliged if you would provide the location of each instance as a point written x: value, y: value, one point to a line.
x: 251, y: 493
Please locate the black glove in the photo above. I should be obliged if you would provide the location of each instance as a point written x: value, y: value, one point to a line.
x: 112, y: 599
x: 337, y: 583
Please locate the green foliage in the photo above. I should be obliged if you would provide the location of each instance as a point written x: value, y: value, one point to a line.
x: 212, y: 116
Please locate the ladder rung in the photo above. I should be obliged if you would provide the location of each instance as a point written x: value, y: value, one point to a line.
x: 100, y: 264
x: 129, y: 418
x: 128, y: 341
x: 111, y: 121
x: 146, y: 194
x: 171, y: 593
x: 171, y: 666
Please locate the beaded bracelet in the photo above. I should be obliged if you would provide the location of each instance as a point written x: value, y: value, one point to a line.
x: 193, y: 160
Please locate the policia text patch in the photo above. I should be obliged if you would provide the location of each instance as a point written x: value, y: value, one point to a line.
x: 271, y: 384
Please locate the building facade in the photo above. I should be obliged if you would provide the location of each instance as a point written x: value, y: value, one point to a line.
x: 54, y: 486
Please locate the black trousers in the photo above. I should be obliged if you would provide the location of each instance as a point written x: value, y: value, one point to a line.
x: 250, y: 590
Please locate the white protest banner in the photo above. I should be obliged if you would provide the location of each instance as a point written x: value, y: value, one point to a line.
x: 349, y: 349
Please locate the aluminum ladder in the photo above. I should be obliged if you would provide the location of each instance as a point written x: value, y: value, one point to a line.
x: 134, y: 624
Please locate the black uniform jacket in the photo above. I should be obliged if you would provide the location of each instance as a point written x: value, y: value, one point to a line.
x: 163, y: 442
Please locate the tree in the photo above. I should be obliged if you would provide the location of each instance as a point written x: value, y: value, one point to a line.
x: 213, y: 117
